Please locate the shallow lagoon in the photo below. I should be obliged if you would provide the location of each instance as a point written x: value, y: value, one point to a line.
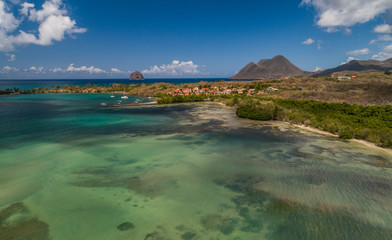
x: 73, y: 169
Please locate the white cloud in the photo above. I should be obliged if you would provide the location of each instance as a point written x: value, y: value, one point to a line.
x: 56, y: 70
x: 384, y: 54
x: 11, y: 57
x: 383, y: 28
x: 70, y: 70
x: 8, y: 69
x: 25, y: 8
x: 54, y: 28
x: 316, y: 69
x: 308, y: 41
x: 332, y: 14
x: 49, y: 8
x: 52, y: 19
x: 358, y: 52
x: 91, y: 69
x: 347, y: 31
x: 116, y: 70
x: 8, y: 22
x: 319, y: 42
x: 36, y: 69
x: 176, y: 68
x: 385, y: 38
x: 349, y: 59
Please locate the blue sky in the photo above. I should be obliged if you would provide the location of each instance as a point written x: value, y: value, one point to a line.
x: 110, y: 39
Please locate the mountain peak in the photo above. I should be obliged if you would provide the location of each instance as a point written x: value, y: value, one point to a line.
x: 279, y: 57
x: 359, y: 66
x: 278, y: 66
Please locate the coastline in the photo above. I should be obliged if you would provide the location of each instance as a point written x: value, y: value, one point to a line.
x: 364, y: 143
x: 313, y: 130
x: 357, y: 141
x: 367, y: 144
x: 135, y: 104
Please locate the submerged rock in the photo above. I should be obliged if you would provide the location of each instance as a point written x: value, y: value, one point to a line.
x: 217, y: 222
x: 125, y: 226
x: 17, y: 222
x: 137, y: 76
x: 188, y: 236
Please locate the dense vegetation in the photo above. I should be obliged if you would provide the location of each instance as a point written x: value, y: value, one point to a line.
x: 19, y: 91
x: 263, y: 111
x: 371, y: 123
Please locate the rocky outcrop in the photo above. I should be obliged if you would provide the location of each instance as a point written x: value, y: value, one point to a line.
x: 137, y: 76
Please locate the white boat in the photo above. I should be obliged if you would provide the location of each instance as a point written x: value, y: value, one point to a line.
x: 124, y: 96
x: 112, y: 96
x: 103, y: 104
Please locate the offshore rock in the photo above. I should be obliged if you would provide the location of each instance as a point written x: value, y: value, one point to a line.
x: 137, y: 76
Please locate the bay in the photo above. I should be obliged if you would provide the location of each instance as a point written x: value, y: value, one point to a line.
x: 71, y: 168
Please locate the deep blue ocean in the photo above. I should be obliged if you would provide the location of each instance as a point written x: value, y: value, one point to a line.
x: 36, y: 83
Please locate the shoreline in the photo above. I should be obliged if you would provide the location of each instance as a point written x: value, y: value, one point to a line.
x: 357, y: 141
x: 135, y: 104
x: 364, y: 143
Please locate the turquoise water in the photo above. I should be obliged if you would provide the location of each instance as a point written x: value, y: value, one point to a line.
x: 71, y: 168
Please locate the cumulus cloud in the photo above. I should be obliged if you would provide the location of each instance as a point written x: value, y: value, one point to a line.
x: 90, y: 70
x: 11, y: 57
x: 8, y: 69
x: 71, y: 69
x: 176, y: 68
x: 8, y: 22
x: 25, y: 8
x: 384, y: 54
x: 316, y: 69
x: 349, y: 59
x: 308, y: 41
x: 358, y: 52
x: 383, y: 28
x: 385, y: 38
x: 49, y: 8
x: 116, y: 70
x: 56, y: 70
x: 52, y: 19
x: 36, y: 69
x: 333, y: 14
x: 380, y: 38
